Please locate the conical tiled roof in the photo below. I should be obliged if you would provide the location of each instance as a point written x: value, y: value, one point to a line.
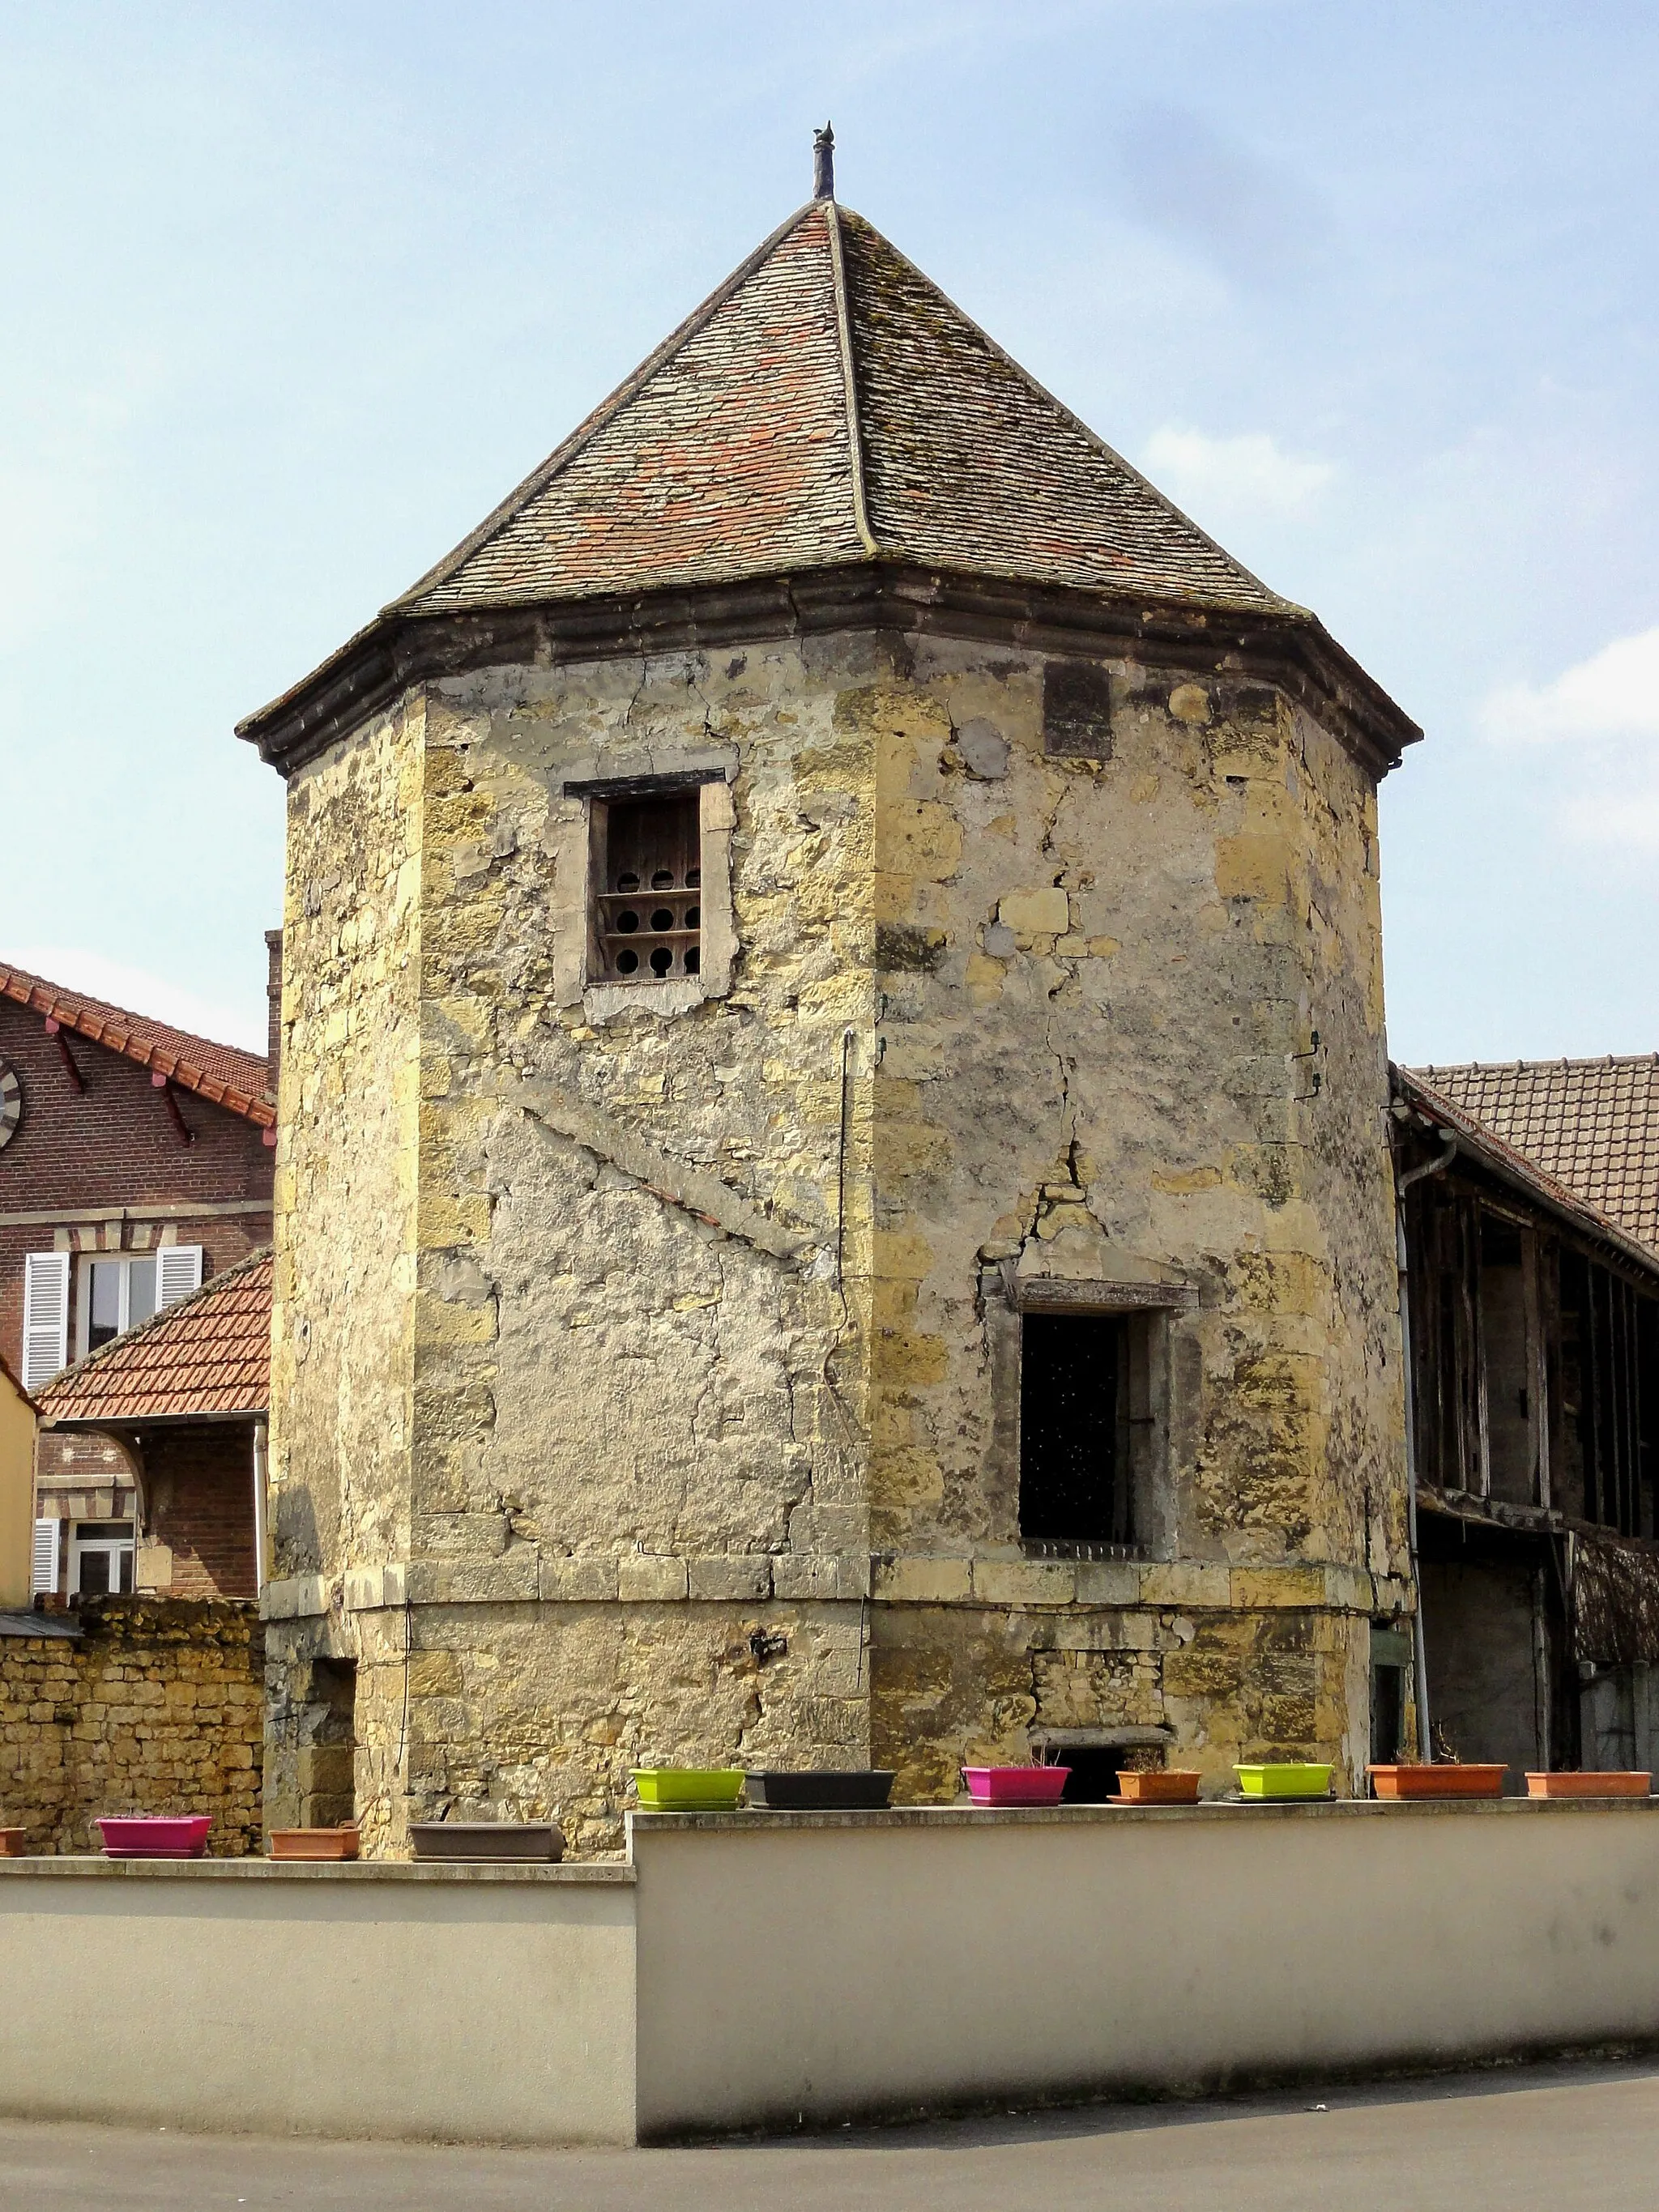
x: 827, y: 405
x: 828, y: 442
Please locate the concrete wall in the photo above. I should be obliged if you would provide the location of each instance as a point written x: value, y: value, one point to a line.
x: 788, y: 1967
x: 764, y: 1969
x: 469, y: 2006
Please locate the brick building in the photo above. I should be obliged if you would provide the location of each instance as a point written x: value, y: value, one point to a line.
x: 135, y: 1162
x: 184, y: 1397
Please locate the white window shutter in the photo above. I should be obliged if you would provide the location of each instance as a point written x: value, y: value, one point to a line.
x: 45, y: 1317
x: 43, y: 1560
x: 178, y: 1272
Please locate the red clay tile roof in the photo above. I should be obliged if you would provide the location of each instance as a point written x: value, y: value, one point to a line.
x: 1591, y: 1124
x: 210, y: 1354
x: 829, y: 404
x: 236, y: 1080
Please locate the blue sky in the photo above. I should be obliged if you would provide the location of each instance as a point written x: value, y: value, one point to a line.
x: 295, y: 293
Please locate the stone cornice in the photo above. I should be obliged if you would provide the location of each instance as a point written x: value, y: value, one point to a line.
x: 397, y: 651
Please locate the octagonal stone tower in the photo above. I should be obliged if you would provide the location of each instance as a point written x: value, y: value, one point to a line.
x: 832, y: 1203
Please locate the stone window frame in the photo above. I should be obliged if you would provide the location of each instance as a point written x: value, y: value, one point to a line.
x: 578, y: 962
x: 1006, y: 1297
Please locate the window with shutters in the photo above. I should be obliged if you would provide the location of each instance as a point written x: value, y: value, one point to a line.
x: 642, y: 912
x: 118, y: 1289
x: 45, y: 1317
x: 43, y: 1560
x: 647, y: 904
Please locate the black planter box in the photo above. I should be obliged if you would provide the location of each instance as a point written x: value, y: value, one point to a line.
x: 863, y: 1791
x: 486, y: 1839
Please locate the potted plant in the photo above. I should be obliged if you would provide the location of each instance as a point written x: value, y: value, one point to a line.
x: 1619, y: 1783
x: 688, y: 1788
x: 1159, y: 1785
x: 474, y: 1840
x: 1440, y: 1778
x: 1280, y: 1781
x: 821, y: 1789
x: 339, y: 1843
x: 155, y: 1836
x: 1016, y: 1785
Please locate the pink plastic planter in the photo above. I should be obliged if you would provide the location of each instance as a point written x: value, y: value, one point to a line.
x: 147, y: 1837
x: 1015, y: 1785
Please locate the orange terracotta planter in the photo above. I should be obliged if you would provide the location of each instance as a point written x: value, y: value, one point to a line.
x: 1622, y: 1784
x: 313, y: 1843
x: 12, y: 1843
x: 1168, y: 1785
x: 1442, y: 1779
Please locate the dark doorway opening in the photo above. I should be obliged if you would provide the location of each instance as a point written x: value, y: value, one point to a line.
x: 1093, y: 1778
x: 1074, y: 1403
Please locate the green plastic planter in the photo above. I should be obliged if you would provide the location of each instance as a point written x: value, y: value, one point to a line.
x: 1286, y: 1781
x: 688, y: 1788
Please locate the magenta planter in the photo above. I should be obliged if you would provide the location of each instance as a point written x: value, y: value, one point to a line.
x: 1016, y: 1785
x: 147, y: 1837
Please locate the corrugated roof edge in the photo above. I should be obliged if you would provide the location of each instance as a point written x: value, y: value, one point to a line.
x: 1493, y: 1152
x: 109, y: 1354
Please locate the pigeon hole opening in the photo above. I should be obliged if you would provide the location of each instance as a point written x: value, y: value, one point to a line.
x: 648, y: 914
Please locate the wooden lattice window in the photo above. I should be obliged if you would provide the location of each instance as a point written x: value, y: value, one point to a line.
x: 648, y: 906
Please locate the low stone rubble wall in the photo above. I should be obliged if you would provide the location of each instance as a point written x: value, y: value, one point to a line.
x: 153, y: 1707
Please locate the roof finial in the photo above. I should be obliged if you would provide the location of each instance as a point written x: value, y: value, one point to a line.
x: 824, y: 163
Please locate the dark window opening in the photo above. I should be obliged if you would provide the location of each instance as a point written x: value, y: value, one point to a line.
x: 327, y: 1763
x: 1073, y: 1406
x: 1076, y: 710
x: 647, y: 912
x: 1095, y: 1770
x: 1390, y: 1654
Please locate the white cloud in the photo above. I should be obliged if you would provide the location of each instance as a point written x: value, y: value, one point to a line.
x: 1605, y: 792
x: 1248, y: 474
x: 1628, y: 818
x: 1613, y: 695
x: 138, y: 992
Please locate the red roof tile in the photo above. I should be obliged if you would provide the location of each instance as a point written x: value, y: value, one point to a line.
x: 238, y: 1081
x: 1591, y: 1124
x: 210, y: 1354
x: 829, y: 404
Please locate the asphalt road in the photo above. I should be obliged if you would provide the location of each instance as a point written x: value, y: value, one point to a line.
x: 1559, y: 2138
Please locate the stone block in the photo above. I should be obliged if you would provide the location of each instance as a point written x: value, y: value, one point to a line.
x: 581, y: 1580
x: 737, y: 1579
x: 1183, y: 1584
x: 1045, y: 912
x: 1024, y: 1582
x: 1108, y: 1581
x: 642, y: 1576
x: 1255, y: 1587
x: 924, y: 1581
x: 805, y: 1577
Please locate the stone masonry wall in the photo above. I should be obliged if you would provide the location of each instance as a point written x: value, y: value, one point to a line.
x: 1131, y: 1028
x: 701, y: 1335
x: 156, y: 1707
x: 343, y: 1324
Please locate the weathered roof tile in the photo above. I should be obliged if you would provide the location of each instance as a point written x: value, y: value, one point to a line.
x: 210, y: 1354
x: 826, y: 404
x: 1591, y: 1124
